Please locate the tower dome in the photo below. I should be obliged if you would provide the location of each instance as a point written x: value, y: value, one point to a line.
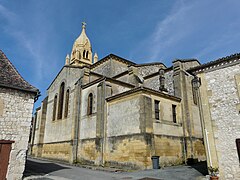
x: 82, y: 50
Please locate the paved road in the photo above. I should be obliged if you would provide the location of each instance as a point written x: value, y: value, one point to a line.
x: 45, y: 170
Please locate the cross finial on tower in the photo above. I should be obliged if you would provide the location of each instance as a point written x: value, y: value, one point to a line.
x: 84, y: 25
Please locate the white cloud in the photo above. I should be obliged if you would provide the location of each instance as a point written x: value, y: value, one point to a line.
x: 193, y: 29
x: 167, y: 33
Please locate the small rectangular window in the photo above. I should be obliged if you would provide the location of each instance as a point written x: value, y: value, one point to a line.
x: 174, y: 113
x: 238, y: 148
x: 156, y: 108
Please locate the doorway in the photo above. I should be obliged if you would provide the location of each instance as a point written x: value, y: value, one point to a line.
x: 5, y: 149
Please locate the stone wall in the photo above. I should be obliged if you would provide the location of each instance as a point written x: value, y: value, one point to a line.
x: 128, y: 151
x: 88, y: 122
x: 223, y: 100
x: 127, y: 144
x: 145, y: 70
x: 124, y: 117
x: 60, y: 130
x: 154, y: 83
x: 111, y: 68
x: 15, y: 121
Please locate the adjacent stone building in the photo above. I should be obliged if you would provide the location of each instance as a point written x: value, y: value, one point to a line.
x: 114, y: 112
x: 219, y: 102
x: 16, y: 105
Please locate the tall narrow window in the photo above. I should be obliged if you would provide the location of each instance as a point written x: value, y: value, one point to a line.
x: 79, y: 55
x: 66, y: 104
x: 54, y: 108
x: 90, y: 104
x: 84, y: 54
x: 238, y: 148
x: 174, y: 113
x: 156, y: 108
x: 87, y: 55
x: 60, y: 101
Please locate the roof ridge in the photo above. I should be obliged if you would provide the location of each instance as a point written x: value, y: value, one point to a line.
x: 27, y: 86
x: 14, y: 68
x: 217, y: 61
x: 110, y: 56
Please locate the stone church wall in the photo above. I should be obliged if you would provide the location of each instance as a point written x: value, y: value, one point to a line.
x: 118, y: 67
x: 111, y: 68
x: 126, y: 144
x: 145, y: 70
x: 223, y: 96
x: 15, y: 121
x: 153, y: 82
x: 167, y: 134
x: 57, y: 139
x: 123, y: 78
x: 88, y: 122
x: 124, y: 117
x: 103, y: 69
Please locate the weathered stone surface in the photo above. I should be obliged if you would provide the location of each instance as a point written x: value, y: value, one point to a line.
x: 123, y: 117
x: 111, y: 114
x: 15, y: 121
x: 225, y: 117
x: 149, y: 69
x: 111, y: 68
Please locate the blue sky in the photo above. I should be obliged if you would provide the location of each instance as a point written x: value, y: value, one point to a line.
x: 37, y: 35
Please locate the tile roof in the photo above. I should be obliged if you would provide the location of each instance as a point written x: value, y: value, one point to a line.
x: 110, y: 56
x: 10, y: 77
x: 216, y: 63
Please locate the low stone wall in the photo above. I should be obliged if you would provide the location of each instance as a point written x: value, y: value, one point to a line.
x: 87, y: 151
x: 169, y: 149
x: 128, y: 151
x: 59, y: 151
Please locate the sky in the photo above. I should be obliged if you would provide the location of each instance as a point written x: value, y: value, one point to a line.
x: 36, y: 35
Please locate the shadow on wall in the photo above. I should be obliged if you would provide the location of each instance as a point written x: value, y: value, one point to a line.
x: 201, y: 167
x: 33, y: 168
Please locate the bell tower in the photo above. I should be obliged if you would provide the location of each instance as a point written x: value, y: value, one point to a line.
x: 82, y: 51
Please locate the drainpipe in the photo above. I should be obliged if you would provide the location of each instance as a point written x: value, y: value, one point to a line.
x: 208, y: 147
x: 196, y: 84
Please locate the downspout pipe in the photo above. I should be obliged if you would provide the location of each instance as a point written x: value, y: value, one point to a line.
x: 204, y: 130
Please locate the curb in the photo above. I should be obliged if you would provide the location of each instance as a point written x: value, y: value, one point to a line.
x: 99, y: 168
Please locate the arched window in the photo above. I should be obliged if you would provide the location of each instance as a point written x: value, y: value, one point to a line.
x: 87, y: 55
x: 90, y: 104
x: 54, y: 108
x: 84, y: 52
x: 60, y: 101
x: 66, y: 104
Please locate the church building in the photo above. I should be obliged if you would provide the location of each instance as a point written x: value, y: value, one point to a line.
x: 115, y: 112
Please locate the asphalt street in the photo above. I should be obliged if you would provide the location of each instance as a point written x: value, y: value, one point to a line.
x: 46, y: 170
